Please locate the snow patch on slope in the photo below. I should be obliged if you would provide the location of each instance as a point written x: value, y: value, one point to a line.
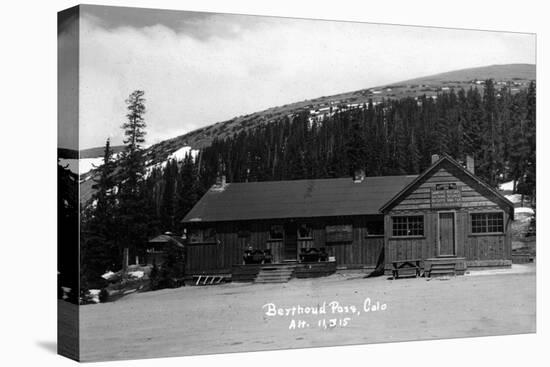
x: 81, y: 166
x: 182, y: 152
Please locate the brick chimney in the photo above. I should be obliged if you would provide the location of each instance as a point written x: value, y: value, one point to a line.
x: 470, y: 166
x: 435, y: 158
x: 359, y: 175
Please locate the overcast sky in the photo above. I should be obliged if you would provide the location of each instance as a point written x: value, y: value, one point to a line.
x: 198, y: 69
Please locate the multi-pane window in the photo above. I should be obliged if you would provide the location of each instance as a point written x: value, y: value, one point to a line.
x: 487, y: 222
x: 405, y: 226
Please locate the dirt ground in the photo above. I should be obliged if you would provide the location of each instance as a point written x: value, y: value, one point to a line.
x: 231, y: 317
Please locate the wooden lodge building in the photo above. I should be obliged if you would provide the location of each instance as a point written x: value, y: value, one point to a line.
x: 446, y: 217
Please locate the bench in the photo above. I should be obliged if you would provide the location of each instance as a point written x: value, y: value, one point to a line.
x: 406, y: 268
x: 257, y: 256
x: 313, y: 255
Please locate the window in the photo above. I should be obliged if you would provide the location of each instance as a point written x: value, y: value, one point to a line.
x: 447, y: 186
x: 206, y: 235
x: 406, y: 226
x: 276, y: 232
x: 487, y: 222
x: 304, y: 232
x: 375, y: 228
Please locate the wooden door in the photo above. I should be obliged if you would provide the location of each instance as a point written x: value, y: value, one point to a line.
x: 446, y: 234
x: 291, y: 241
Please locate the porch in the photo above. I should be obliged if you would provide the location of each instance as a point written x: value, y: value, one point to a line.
x: 281, y: 272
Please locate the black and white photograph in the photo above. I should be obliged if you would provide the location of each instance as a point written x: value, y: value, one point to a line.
x: 236, y: 183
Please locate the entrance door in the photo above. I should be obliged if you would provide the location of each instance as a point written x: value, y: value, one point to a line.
x: 291, y: 241
x: 446, y: 234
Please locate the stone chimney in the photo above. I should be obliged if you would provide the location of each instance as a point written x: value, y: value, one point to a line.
x: 435, y: 158
x: 220, y: 184
x: 359, y: 175
x: 221, y: 181
x: 470, y: 166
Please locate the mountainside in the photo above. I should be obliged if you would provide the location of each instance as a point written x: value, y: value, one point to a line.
x: 514, y: 76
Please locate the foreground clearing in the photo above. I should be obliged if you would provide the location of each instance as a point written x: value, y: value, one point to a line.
x: 230, y: 317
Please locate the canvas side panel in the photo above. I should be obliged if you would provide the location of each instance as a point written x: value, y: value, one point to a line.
x: 67, y: 184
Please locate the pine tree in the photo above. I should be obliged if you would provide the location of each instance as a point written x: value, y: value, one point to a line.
x: 413, y: 156
x: 133, y: 209
x: 187, y: 188
x: 98, y: 251
x: 167, y: 205
x: 356, y: 149
x: 67, y: 225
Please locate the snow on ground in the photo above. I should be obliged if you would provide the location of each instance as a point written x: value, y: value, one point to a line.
x: 108, y: 275
x: 83, y: 165
x: 136, y: 274
x: 524, y: 210
x: 182, y: 152
x: 515, y: 269
x: 94, y: 295
x: 87, y: 164
x: 178, y: 155
x: 232, y: 317
x: 507, y: 186
x: 71, y: 164
x: 514, y: 198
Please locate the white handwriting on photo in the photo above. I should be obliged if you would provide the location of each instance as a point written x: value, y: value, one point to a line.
x: 327, y: 315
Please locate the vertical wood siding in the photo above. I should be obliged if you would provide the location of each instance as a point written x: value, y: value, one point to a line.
x: 363, y: 251
x: 475, y: 198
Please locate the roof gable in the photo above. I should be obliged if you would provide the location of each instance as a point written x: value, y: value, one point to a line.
x: 167, y: 239
x: 445, y: 159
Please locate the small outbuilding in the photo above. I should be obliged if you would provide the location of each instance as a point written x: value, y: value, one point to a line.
x: 160, y: 245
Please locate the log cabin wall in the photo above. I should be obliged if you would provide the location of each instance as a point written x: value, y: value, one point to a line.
x: 478, y: 249
x: 233, y: 238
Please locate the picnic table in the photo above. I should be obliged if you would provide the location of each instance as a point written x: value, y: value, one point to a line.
x: 410, y: 267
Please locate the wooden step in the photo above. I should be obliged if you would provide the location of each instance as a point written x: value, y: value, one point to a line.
x: 437, y: 273
x: 442, y: 269
x: 274, y: 274
x: 276, y: 271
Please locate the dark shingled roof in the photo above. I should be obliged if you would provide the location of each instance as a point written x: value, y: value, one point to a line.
x: 296, y: 199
